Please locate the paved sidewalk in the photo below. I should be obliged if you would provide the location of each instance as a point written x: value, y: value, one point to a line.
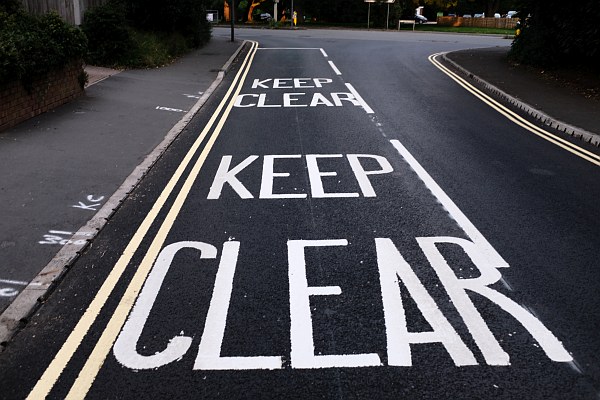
x: 66, y: 164
x: 545, y: 99
x: 98, y: 74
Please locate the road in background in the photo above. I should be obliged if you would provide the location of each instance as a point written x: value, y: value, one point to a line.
x: 340, y: 220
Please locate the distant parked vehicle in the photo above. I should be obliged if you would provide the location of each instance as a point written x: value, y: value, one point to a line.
x: 497, y: 15
x: 482, y: 15
x: 265, y: 17
x: 419, y: 19
x: 452, y: 15
x: 467, y: 16
x: 511, y: 14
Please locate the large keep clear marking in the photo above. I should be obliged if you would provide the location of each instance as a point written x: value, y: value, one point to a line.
x: 148, y: 278
x: 64, y: 355
x: 516, y: 118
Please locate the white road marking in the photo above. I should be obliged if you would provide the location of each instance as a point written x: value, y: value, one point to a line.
x: 358, y: 97
x: 451, y: 207
x: 487, y: 260
x: 301, y: 329
x: 335, y: 69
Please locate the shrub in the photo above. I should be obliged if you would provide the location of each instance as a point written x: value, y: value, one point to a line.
x: 132, y: 33
x: 187, y: 17
x: 110, y: 42
x: 153, y: 49
x: 31, y: 46
x: 550, y: 38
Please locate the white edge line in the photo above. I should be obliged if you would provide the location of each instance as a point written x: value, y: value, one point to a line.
x: 27, y: 301
x: 358, y: 97
x: 335, y: 69
x: 455, y: 213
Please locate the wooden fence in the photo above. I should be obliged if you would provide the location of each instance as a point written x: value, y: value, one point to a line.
x: 70, y: 10
x: 499, y: 23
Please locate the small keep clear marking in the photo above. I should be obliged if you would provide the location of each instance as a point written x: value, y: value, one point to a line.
x: 170, y: 109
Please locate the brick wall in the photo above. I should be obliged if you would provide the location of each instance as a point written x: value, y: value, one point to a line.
x: 18, y: 104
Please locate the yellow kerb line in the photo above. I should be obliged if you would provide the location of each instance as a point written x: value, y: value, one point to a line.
x: 517, y: 119
x: 68, y: 349
x: 95, y: 361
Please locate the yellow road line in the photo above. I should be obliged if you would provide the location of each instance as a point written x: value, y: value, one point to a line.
x: 517, y: 119
x: 62, y: 358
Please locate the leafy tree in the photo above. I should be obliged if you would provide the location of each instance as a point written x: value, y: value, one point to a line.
x: 187, y: 17
x: 109, y: 39
x: 553, y: 34
x: 11, y: 6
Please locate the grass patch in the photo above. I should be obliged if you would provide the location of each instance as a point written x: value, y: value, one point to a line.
x: 152, y: 49
x: 341, y: 25
x: 114, y: 42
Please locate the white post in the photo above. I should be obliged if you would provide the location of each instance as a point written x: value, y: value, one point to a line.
x: 387, y: 20
x: 76, y: 12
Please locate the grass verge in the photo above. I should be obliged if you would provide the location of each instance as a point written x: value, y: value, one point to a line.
x: 461, y: 29
x: 152, y: 49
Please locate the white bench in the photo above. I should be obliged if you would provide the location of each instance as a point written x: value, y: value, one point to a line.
x: 406, y: 21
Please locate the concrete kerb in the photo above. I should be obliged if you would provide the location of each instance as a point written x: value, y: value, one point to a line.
x: 16, y: 315
x: 546, y: 119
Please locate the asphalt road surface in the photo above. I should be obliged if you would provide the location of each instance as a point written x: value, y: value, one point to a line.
x: 342, y: 220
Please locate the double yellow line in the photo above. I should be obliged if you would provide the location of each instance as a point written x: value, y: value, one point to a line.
x: 516, y: 118
x: 94, y: 362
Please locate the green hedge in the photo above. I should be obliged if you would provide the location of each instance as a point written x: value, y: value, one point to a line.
x: 185, y: 17
x: 31, y: 46
x: 109, y: 38
x: 144, y: 34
